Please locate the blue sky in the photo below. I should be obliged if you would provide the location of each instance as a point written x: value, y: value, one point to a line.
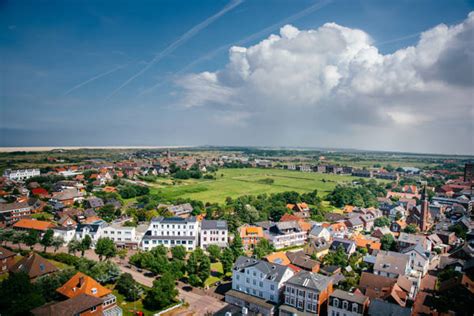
x: 66, y: 68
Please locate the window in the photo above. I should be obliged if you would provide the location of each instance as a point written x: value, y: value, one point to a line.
x: 93, y: 308
x: 335, y: 302
x: 271, y: 297
x: 300, y: 304
x: 354, y: 307
x: 344, y: 304
x: 260, y: 284
x: 238, y: 277
x: 254, y: 282
x: 272, y: 287
x: 260, y: 294
x: 247, y: 280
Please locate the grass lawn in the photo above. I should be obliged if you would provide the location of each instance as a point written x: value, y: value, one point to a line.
x: 60, y: 265
x: 237, y: 182
x: 42, y: 216
x: 129, y: 307
x: 217, y: 272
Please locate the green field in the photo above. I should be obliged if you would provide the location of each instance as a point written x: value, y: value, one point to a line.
x: 237, y: 182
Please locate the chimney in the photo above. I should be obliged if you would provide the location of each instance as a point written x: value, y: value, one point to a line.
x: 81, y: 282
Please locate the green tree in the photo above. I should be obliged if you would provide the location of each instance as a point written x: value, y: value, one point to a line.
x: 86, y: 244
x: 263, y: 248
x: 18, y: 296
x: 388, y: 242
x: 128, y: 287
x: 411, y: 229
x: 73, y: 246
x: 104, y: 272
x: 57, y: 242
x: 195, y: 280
x: 162, y: 294
x: 47, y: 239
x: 105, y: 247
x: 204, y: 268
x: 214, y: 252
x: 237, y: 246
x: 227, y: 260
x: 32, y: 238
x: 178, y: 252
x: 338, y: 257
x: 382, y: 222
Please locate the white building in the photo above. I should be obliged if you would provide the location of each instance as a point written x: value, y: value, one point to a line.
x: 21, y: 174
x: 392, y: 264
x: 286, y: 234
x: 346, y: 303
x: 66, y: 233
x: 213, y: 233
x: 125, y: 236
x: 260, y: 278
x: 420, y: 258
x: 170, y: 232
x: 93, y: 230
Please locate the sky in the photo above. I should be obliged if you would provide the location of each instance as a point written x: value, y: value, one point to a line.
x: 376, y: 75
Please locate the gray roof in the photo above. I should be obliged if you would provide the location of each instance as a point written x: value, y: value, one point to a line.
x: 300, y: 259
x: 381, y: 308
x: 211, y: 224
x: 411, y: 238
x: 348, y: 296
x: 6, y: 207
x: 419, y: 249
x: 311, y: 280
x: 355, y: 221
x: 316, y: 230
x: 174, y: 220
x: 345, y: 243
x: 272, y: 271
x: 95, y: 202
x: 391, y: 262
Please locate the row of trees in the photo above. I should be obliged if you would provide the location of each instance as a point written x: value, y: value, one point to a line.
x: 30, y: 238
x: 105, y: 247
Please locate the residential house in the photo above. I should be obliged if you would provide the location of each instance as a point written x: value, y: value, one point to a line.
x: 180, y: 210
x: 214, y: 232
x: 250, y: 235
x: 355, y: 223
x: 406, y: 240
x: 379, y: 232
x: 347, y: 303
x: 83, y: 284
x: 10, y: 213
x: 318, y: 232
x: 380, y: 307
x: 367, y: 242
x: 20, y: 174
x: 67, y: 221
x: 382, y: 287
x: 398, y: 226
x: 286, y: 234
x: 95, y: 202
x: 66, y: 233
x: 338, y: 229
x: 94, y: 230
x: 124, y: 236
x: 362, y: 173
x: 80, y: 305
x: 278, y: 257
x: 7, y: 259
x: 317, y: 247
x: 33, y: 224
x: 301, y: 210
x: 349, y: 246
x: 34, y: 266
x: 172, y: 231
x: 256, y: 283
x: 392, y: 264
x: 306, y: 293
x: 303, y: 261
x: 420, y: 259
x: 67, y: 197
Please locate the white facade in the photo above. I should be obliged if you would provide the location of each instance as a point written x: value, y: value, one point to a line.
x: 288, y: 240
x: 170, y: 232
x: 21, y: 174
x: 120, y: 234
x: 94, y: 231
x: 213, y: 233
x: 66, y: 233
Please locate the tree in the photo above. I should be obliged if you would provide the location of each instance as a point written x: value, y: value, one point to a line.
x: 7, y: 235
x: 227, y: 260
x: 194, y: 280
x: 32, y: 238
x: 105, y: 247
x: 19, y: 237
x: 48, y: 284
x: 162, y: 294
x: 57, y: 242
x: 86, y: 244
x: 73, y: 246
x: 18, y: 296
x: 178, y: 252
x: 338, y: 257
x: 128, y: 287
x: 263, y: 248
x: 411, y: 229
x: 47, y: 239
x: 214, y: 252
x: 104, y: 271
x: 204, y: 268
x: 237, y: 246
x: 388, y: 242
x: 382, y: 221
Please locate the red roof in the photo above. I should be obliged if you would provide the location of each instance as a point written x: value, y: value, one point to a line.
x: 27, y: 223
x: 40, y: 192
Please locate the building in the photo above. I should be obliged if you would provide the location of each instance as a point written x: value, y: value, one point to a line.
x: 34, y: 265
x: 317, y: 247
x: 349, y: 246
x: 406, y: 240
x: 303, y: 261
x: 94, y: 230
x: 420, y: 259
x: 469, y: 172
x: 32, y: 224
x: 260, y: 278
x: 318, y: 232
x: 13, y: 212
x: 306, y: 293
x: 362, y: 173
x: 420, y: 215
x: 80, y: 305
x: 250, y: 235
x: 66, y: 233
x: 213, y: 233
x: 382, y: 308
x: 172, y: 231
x: 392, y: 264
x: 347, y: 303
x: 82, y: 284
x: 286, y: 234
x: 180, y: 210
x: 125, y: 236
x: 7, y: 259
x: 20, y: 174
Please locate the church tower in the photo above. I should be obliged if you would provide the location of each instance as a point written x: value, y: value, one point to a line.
x: 425, y: 211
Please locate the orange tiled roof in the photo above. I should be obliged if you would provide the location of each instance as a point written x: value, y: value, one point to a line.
x: 348, y: 209
x: 251, y: 230
x: 303, y: 205
x: 338, y: 226
x: 289, y: 218
x: 304, y: 225
x: 82, y: 284
x: 109, y: 189
x: 279, y: 258
x: 362, y: 243
x: 290, y: 206
x: 33, y: 224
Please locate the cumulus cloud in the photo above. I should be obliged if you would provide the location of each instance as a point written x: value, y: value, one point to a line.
x: 334, y: 79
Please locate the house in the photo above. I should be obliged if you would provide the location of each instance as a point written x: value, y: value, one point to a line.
x: 398, y: 226
x: 34, y: 265
x: 7, y: 259
x: 278, y: 257
x: 67, y: 197
x: 355, y: 223
x: 180, y: 210
x: 213, y: 232
x: 10, y: 213
x: 420, y: 259
x: 32, y: 224
x: 369, y: 243
x: 317, y: 247
x: 392, y: 264
x: 257, y: 284
x: 20, y: 174
x: 318, y: 232
x: 338, y: 229
x: 300, y: 210
x: 66, y: 233
x: 379, y: 232
x: 40, y: 192
x: 406, y: 240
x: 347, y: 303
x: 306, y: 293
x: 172, y: 231
x: 82, y: 284
x: 93, y: 230
x: 286, y: 234
x: 250, y: 235
x: 123, y: 236
x: 67, y: 221
x: 380, y: 307
x: 80, y: 305
x: 349, y: 246
x: 95, y: 202
x: 301, y: 260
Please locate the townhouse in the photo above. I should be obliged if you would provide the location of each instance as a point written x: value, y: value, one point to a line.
x: 213, y: 232
x: 347, y: 303
x: 170, y: 232
x: 392, y: 264
x: 7, y: 259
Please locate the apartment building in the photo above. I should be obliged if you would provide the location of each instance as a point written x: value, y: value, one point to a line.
x: 213, y: 233
x: 170, y: 232
x: 347, y: 303
x: 11, y: 213
x: 286, y: 234
x: 21, y: 174
x: 125, y: 236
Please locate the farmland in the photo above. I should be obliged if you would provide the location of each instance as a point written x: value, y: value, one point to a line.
x: 251, y: 181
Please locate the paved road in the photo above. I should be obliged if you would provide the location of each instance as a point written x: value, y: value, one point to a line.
x: 198, y: 304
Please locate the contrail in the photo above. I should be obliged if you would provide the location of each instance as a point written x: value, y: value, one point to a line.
x: 180, y: 41
x: 257, y: 35
x: 93, y: 79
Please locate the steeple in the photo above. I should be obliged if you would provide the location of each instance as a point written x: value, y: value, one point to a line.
x: 425, y: 210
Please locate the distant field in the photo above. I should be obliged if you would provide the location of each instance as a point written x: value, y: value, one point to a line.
x: 237, y: 182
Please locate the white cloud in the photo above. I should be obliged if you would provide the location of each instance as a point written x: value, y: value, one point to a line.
x: 335, y: 76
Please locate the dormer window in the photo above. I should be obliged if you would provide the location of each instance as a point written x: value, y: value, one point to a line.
x: 345, y: 304
x: 354, y: 307
x: 94, y: 290
x: 335, y: 302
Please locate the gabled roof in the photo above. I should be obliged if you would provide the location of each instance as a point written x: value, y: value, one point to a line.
x: 300, y: 259
x: 271, y: 271
x: 391, y: 262
x: 5, y: 253
x: 82, y: 284
x: 279, y: 258
x: 72, y: 306
x: 34, y: 265
x: 27, y: 223
x: 311, y: 280
x: 356, y: 297
x: 213, y: 224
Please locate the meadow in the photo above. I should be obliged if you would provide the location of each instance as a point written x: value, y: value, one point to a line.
x: 251, y: 181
